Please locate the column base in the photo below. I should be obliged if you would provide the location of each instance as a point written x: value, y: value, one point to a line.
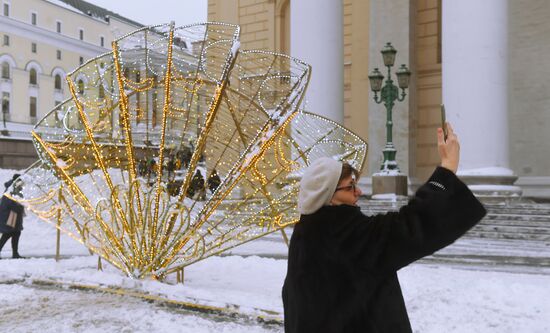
x: 493, y: 187
x: 383, y: 183
x: 534, y: 187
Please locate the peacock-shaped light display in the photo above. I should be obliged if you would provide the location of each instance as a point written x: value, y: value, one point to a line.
x: 177, y: 146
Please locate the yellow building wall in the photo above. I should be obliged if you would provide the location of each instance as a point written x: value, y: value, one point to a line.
x: 348, y: 37
x: 256, y: 18
x: 429, y: 85
x: 356, y: 67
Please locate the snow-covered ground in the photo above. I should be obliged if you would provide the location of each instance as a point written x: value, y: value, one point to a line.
x: 27, y: 309
x: 37, y: 294
x: 439, y: 299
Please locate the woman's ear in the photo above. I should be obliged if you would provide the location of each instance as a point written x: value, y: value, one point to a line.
x: 331, y: 202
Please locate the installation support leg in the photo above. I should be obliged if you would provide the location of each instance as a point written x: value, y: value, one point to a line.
x: 58, y: 236
x: 179, y: 276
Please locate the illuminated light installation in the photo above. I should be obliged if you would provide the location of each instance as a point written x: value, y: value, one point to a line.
x: 177, y: 146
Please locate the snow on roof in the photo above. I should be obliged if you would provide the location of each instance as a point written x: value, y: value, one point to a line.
x: 65, y: 5
x: 86, y: 8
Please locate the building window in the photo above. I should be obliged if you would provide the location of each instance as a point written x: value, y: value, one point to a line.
x: 5, y: 104
x: 33, y: 18
x: 58, y: 27
x: 33, y: 47
x: 102, y: 41
x: 6, y: 40
x: 80, y: 87
x: 57, y: 82
x: 58, y: 54
x: 33, y: 76
x: 81, y: 34
x: 101, y: 93
x: 6, y: 9
x: 81, y: 60
x: 5, y: 70
x: 32, y: 108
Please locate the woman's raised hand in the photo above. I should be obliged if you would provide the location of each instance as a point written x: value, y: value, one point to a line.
x: 449, y: 151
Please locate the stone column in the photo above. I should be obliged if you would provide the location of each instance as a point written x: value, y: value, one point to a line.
x: 317, y: 38
x: 475, y: 81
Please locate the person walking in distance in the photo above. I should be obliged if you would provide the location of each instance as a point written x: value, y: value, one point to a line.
x: 11, y: 217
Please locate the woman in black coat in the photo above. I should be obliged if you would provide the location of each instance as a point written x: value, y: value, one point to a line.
x: 342, y: 265
x: 8, y: 205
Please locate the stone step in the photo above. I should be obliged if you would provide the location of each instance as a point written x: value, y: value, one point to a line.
x: 509, y: 208
x: 511, y: 236
x: 519, y: 205
x: 542, y: 263
x: 516, y: 217
x: 512, y: 230
x: 512, y: 223
x: 510, y: 247
x: 509, y: 220
x: 491, y: 215
x: 518, y: 211
x: 507, y: 211
x: 544, y: 225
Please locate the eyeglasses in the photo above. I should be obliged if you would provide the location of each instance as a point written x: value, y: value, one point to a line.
x: 351, y: 187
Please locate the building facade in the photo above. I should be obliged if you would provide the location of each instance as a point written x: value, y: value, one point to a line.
x: 483, y: 59
x: 42, y: 41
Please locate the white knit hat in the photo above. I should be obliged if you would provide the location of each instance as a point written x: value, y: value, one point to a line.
x: 318, y: 184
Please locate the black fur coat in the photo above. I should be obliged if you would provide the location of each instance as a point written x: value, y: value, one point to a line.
x: 342, y: 264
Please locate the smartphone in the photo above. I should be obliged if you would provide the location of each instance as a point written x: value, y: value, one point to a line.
x: 443, y: 122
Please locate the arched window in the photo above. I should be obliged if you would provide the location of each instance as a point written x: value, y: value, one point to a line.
x: 5, y: 70
x: 32, y: 76
x: 80, y: 87
x: 57, y: 82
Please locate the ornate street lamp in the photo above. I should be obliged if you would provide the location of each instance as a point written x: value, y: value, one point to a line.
x: 389, y: 93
